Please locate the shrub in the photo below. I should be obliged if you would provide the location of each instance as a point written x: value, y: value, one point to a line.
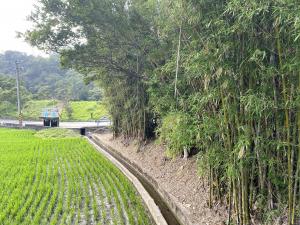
x: 177, y: 131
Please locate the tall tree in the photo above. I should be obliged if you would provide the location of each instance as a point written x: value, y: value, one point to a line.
x: 105, y: 39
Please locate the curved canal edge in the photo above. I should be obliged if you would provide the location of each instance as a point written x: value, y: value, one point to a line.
x: 154, y: 210
x: 169, y: 209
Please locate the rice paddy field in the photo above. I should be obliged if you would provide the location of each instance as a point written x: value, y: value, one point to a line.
x: 62, y: 181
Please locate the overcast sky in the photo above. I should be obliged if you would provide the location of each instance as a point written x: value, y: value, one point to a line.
x: 13, y: 15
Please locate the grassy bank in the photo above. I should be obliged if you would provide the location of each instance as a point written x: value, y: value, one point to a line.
x: 84, y: 111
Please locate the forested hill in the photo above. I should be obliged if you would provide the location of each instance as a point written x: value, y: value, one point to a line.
x: 45, y: 79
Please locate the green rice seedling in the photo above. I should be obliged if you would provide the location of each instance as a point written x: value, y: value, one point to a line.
x: 62, y: 181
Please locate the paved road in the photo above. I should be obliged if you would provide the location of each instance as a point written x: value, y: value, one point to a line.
x: 63, y: 124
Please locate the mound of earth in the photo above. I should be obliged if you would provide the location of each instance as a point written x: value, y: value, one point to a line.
x: 56, y: 133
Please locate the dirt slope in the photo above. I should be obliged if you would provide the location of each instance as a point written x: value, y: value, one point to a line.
x: 178, y: 177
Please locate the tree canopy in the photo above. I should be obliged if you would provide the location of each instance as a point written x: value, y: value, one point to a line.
x: 45, y: 79
x: 8, y: 97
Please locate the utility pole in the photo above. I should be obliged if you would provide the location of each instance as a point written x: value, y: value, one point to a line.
x: 18, y: 95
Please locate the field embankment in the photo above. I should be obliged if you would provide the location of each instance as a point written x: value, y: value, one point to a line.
x: 56, y: 133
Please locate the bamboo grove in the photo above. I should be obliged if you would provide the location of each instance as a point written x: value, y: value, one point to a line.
x: 220, y: 77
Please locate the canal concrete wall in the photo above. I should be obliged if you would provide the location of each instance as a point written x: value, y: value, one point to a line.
x: 148, y: 200
x: 182, y: 218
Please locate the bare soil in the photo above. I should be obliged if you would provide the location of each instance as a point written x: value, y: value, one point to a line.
x: 176, y: 176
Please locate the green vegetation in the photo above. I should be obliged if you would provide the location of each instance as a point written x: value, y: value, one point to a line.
x: 33, y: 109
x: 78, y: 110
x: 62, y: 181
x: 45, y: 79
x: 84, y: 111
x: 41, y: 78
x: 56, y: 133
x: 8, y: 97
x: 177, y: 133
x: 226, y: 74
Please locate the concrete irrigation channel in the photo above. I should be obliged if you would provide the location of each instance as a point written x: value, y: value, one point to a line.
x: 158, y: 207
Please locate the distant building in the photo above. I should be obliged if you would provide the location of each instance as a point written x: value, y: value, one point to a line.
x: 50, y: 117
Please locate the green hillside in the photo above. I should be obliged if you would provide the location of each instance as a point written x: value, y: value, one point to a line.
x: 33, y: 109
x: 72, y: 111
x: 84, y: 111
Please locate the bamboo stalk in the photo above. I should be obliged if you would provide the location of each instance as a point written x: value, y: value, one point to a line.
x: 210, y: 187
x: 230, y: 203
x: 287, y: 129
x: 236, y: 201
x: 298, y: 163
